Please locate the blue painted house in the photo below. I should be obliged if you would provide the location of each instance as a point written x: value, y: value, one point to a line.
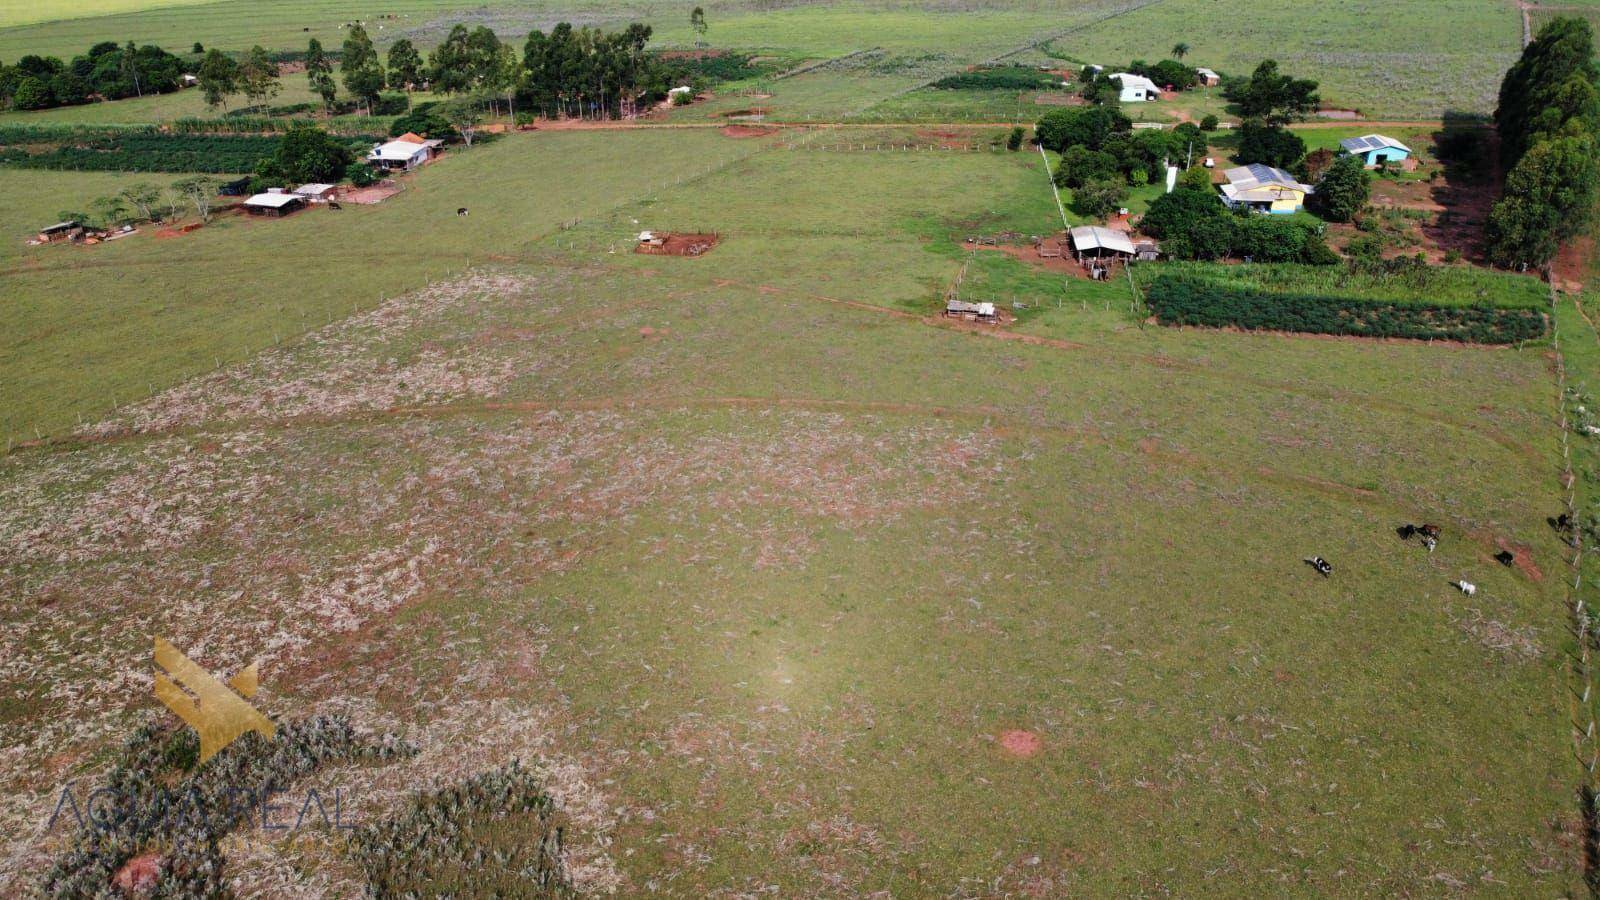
x: 1375, y: 149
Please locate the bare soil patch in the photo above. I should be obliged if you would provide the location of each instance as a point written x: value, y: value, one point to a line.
x: 746, y: 131
x: 1524, y: 558
x: 369, y: 195
x: 946, y: 140
x: 673, y: 244
x: 1063, y: 264
x: 1018, y: 742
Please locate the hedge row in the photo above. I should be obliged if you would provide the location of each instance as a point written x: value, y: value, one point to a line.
x: 149, y: 153
x: 1000, y: 78
x: 1190, y: 300
x: 345, y: 126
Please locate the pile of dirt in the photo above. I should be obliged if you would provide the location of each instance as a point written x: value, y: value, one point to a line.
x: 670, y: 244
x: 746, y: 131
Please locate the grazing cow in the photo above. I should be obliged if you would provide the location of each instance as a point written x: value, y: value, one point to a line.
x: 1406, y: 532
x: 1323, y: 567
x: 1432, y: 531
x: 461, y: 211
x: 334, y: 204
x: 1466, y: 587
x: 1430, y: 542
x: 1505, y: 557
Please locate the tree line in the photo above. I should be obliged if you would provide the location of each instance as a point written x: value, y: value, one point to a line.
x: 108, y: 71
x: 586, y: 72
x: 1548, y: 118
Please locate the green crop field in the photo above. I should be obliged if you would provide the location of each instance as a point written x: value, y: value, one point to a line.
x: 770, y: 578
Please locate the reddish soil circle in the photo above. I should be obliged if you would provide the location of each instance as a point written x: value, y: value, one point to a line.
x: 1018, y: 742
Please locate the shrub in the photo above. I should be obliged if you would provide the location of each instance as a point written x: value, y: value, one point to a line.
x: 1100, y: 198
x: 1089, y: 126
x: 1209, y: 123
x: 1343, y: 190
x: 999, y: 78
x: 361, y: 174
x: 1269, y: 145
x: 1080, y: 165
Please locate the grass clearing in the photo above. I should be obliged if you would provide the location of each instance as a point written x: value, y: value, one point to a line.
x: 93, y: 324
x: 752, y: 558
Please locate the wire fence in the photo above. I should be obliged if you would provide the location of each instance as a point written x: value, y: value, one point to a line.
x: 1582, y: 622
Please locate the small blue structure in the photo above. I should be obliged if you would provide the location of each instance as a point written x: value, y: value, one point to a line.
x: 1376, y: 149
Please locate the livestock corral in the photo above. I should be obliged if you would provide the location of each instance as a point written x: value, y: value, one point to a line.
x: 649, y: 506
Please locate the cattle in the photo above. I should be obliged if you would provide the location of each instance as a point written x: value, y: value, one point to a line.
x: 1432, y: 531
x: 1466, y: 587
x: 1430, y: 542
x: 1323, y: 567
x: 1505, y: 557
x: 1406, y: 532
x: 334, y: 204
x: 461, y: 211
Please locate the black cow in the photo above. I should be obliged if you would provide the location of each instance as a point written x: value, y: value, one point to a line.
x: 1323, y: 567
x: 1505, y: 557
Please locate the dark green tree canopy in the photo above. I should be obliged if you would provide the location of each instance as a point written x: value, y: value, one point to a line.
x: 1270, y: 145
x: 1088, y: 126
x: 307, y: 155
x: 1272, y: 96
x: 1343, y: 190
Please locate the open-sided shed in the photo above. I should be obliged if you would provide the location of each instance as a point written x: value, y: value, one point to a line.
x: 1095, y: 242
x: 274, y: 203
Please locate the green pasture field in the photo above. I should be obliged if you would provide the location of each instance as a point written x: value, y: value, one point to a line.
x: 938, y: 105
x: 1409, y: 59
x: 830, y: 30
x: 783, y: 582
x: 89, y: 325
x: 760, y: 560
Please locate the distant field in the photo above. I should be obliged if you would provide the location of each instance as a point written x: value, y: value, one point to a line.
x: 1385, y: 58
x: 23, y: 12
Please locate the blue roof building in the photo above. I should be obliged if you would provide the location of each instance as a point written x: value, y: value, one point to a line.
x: 1375, y: 149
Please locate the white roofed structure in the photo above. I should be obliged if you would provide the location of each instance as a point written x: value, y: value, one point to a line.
x: 1093, y: 240
x: 1136, y: 88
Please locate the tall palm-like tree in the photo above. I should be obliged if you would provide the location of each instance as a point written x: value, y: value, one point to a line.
x: 1180, y: 50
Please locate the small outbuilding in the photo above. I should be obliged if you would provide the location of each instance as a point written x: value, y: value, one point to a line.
x: 317, y: 193
x: 1208, y: 78
x: 971, y: 312
x: 275, y: 203
x: 1136, y: 88
x: 1375, y: 149
x: 1095, y: 242
x: 61, y: 231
